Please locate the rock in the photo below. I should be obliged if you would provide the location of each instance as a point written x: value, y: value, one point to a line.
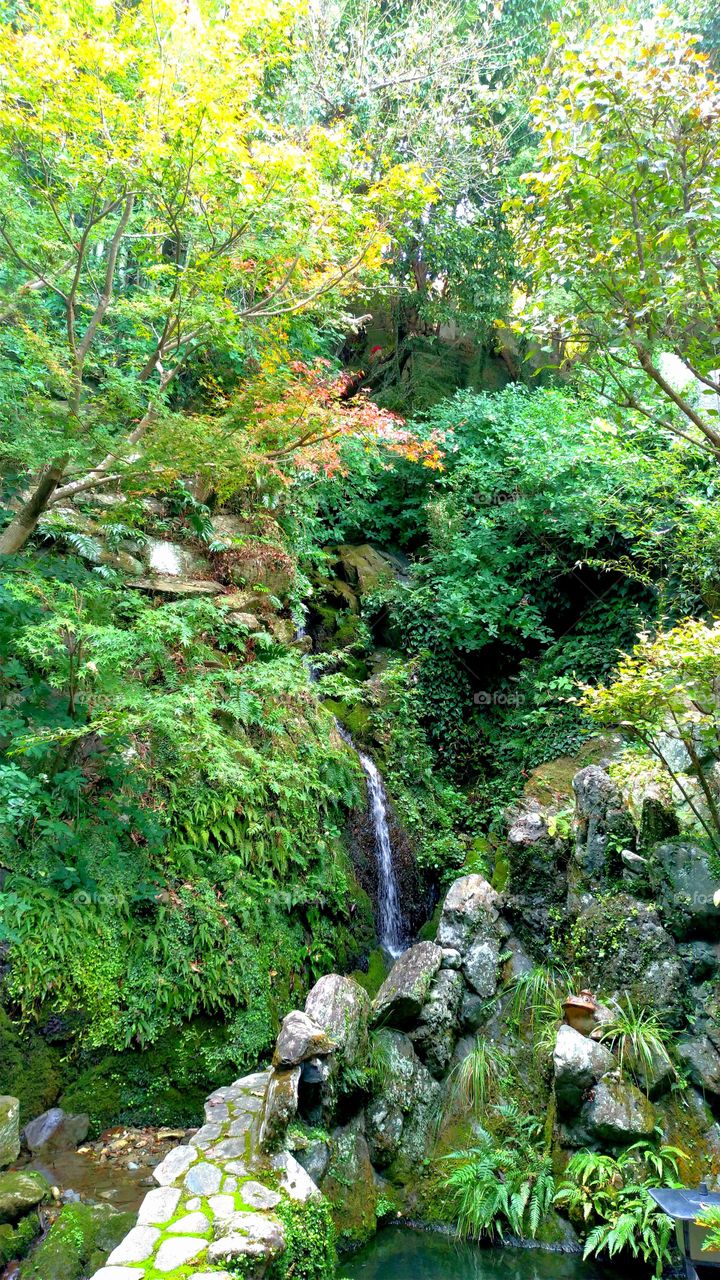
x: 702, y: 1059
x: 408, y: 1094
x: 451, y: 959
x: 314, y: 1159
x: 684, y: 886
x: 16, y: 1241
x: 364, y: 567
x: 9, y: 1130
x: 55, y: 1130
x: 19, y: 1193
x: 259, y: 1197
x: 203, y: 1179
x: 436, y: 1032
x: 137, y: 1245
x: 281, y: 1104
x: 178, y: 1253
x: 481, y: 966
x: 174, y: 560
x: 178, y: 588
x: 191, y: 1224
x: 341, y: 1007
x: 294, y: 1180
x: 78, y: 1242
x: 469, y: 903
x: 701, y: 960
x: 627, y: 951
x: 619, y: 1113
x: 350, y: 1183
x: 602, y: 826
x: 247, y: 621
x: 261, y: 564
x: 175, y: 1164
x: 578, y: 1063
x: 256, y: 1237
x: 407, y: 986
x: 299, y: 1039
x: 474, y: 1011
x: 158, y: 1206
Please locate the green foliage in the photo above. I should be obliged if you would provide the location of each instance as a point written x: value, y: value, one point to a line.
x: 608, y: 1198
x: 536, y: 1000
x: 505, y: 1182
x: 478, y: 1080
x: 663, y: 698
x: 186, y: 856
x: 709, y: 1218
x: 310, y: 1241
x: 640, y: 1041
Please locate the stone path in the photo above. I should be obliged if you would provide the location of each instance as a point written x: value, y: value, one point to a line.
x: 216, y: 1197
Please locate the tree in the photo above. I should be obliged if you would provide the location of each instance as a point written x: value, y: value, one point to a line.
x: 619, y: 226
x: 155, y: 206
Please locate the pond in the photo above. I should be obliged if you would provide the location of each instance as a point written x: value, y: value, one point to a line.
x: 400, y: 1253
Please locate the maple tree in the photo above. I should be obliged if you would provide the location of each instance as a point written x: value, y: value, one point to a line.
x: 619, y: 222
x: 156, y: 206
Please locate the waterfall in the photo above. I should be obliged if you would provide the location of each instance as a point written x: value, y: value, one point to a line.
x: 391, y: 932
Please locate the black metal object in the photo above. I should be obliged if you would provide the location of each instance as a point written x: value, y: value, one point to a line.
x: 684, y: 1205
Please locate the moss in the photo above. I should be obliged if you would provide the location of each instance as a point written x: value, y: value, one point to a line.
x: 30, y: 1069
x: 376, y: 973
x: 81, y: 1233
x: 15, y: 1241
x: 501, y: 873
x: 430, y: 928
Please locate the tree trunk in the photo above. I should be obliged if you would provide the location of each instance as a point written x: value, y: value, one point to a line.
x: 14, y: 537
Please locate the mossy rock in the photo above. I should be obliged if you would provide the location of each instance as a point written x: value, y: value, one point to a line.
x: 78, y: 1242
x: 356, y: 719
x: 375, y: 975
x: 430, y: 928
x: 30, y: 1069
x: 20, y: 1192
x: 16, y: 1241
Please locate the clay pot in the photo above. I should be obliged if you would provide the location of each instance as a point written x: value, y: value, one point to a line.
x: 579, y: 1012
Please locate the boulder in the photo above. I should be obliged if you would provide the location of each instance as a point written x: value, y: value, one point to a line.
x: 19, y: 1193
x: 701, y: 960
x: 281, y: 1104
x: 253, y: 1239
x: 341, y: 1008
x: 399, y: 1122
x: 349, y: 1183
x: 618, y: 1113
x: 314, y: 1158
x: 262, y: 564
x: 55, y: 1130
x: 364, y: 567
x: 78, y: 1242
x: 702, y: 1060
x: 436, y: 1032
x: 174, y: 560
x: 578, y: 1064
x: 602, y: 826
x: 405, y: 990
x: 471, y: 905
x: 480, y: 966
x: 684, y: 886
x: 9, y: 1130
x: 299, y: 1039
x: 177, y: 588
x: 535, y: 880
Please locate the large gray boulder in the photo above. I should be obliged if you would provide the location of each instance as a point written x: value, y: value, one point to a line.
x: 405, y: 990
x: 602, y: 825
x: 480, y: 965
x: 536, y: 882
x: 399, y: 1122
x: 684, y: 887
x: 471, y: 905
x: 341, y: 1008
x: 702, y: 1060
x: 299, y: 1040
x: 578, y: 1064
x: 9, y: 1130
x: 55, y: 1130
x: 619, y: 1113
x: 435, y: 1035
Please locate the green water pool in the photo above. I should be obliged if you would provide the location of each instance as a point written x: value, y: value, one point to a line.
x: 400, y: 1253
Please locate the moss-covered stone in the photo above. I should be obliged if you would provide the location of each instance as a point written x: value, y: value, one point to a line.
x: 19, y: 1193
x: 77, y: 1243
x: 15, y: 1241
x: 30, y: 1069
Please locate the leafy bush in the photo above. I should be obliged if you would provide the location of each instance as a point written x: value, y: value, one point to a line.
x: 608, y: 1198
x: 505, y: 1182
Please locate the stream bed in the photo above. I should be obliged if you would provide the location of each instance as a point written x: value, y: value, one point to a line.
x: 401, y: 1253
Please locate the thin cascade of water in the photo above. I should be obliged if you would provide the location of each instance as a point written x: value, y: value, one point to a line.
x: 391, y: 932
